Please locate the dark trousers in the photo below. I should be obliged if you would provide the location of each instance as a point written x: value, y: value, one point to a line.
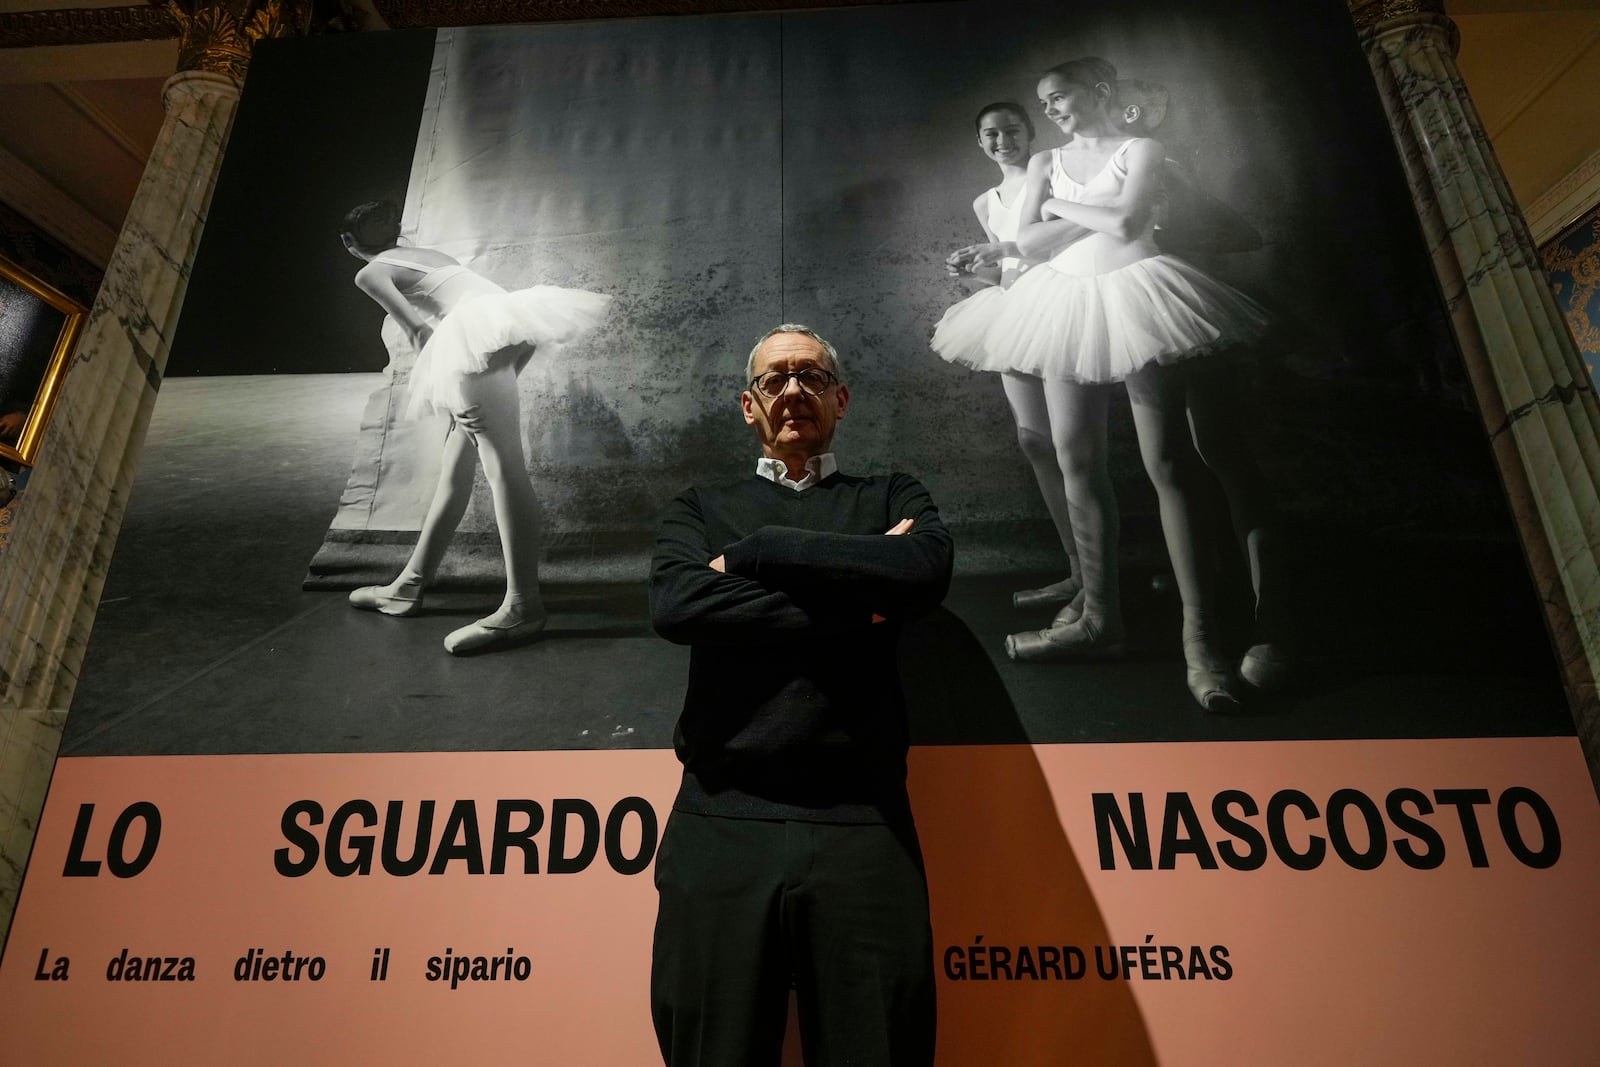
x: 751, y: 906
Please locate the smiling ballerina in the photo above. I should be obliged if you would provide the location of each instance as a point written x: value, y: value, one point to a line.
x: 1005, y: 134
x: 1109, y: 307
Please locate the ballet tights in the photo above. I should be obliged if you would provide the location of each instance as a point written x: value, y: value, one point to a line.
x: 1077, y: 417
x: 1215, y: 421
x: 487, y: 429
x: 1030, y: 411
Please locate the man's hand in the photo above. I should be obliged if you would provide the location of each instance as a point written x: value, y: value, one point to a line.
x: 901, y: 527
x: 720, y: 564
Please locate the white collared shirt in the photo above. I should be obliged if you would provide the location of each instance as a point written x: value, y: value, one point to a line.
x: 817, y: 468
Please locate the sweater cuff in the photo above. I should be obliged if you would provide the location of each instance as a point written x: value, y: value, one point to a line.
x: 743, y: 557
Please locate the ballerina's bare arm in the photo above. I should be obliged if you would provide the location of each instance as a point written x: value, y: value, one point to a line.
x: 1039, y: 237
x: 377, y: 280
x: 1128, y: 213
x: 981, y: 260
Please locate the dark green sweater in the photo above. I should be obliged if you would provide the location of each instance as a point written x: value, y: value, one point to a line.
x: 794, y: 708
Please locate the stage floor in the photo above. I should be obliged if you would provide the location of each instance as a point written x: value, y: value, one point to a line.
x: 206, y: 643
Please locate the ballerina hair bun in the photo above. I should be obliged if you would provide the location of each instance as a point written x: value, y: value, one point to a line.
x: 373, y: 226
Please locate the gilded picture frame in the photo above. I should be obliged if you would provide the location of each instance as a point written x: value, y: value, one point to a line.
x: 39, y: 328
x: 1572, y: 261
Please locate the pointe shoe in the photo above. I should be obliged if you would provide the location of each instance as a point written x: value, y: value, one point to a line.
x: 1050, y: 596
x: 1081, y: 637
x: 373, y: 598
x: 1208, y: 677
x: 1073, y: 610
x: 486, y: 634
x: 1267, y: 668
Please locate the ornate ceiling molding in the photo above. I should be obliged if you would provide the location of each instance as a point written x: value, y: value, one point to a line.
x: 38, y: 199
x: 1563, y: 203
x: 156, y: 21
x: 216, y: 36
x: 1372, y: 12
x: 86, y: 25
x: 415, y: 14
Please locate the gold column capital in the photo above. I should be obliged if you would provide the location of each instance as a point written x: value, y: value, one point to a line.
x: 1369, y: 13
x: 1377, y: 17
x: 217, y: 36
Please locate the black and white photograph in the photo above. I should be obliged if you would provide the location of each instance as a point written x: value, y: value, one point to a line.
x: 1136, y: 293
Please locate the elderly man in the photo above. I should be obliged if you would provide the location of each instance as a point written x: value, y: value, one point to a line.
x: 790, y: 858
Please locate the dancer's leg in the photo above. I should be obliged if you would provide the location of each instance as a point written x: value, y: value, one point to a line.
x: 1214, y: 422
x: 1078, y: 428
x: 492, y: 419
x: 1160, y: 418
x: 403, y: 596
x: 1025, y: 394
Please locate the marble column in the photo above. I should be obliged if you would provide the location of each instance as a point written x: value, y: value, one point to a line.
x: 55, y: 564
x: 1530, y: 383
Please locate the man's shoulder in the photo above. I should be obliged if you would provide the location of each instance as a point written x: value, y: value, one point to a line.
x: 720, y: 493
x: 886, y: 480
x: 754, y: 485
x: 748, y: 482
x: 724, y: 486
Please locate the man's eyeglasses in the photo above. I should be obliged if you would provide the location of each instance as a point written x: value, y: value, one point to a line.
x: 814, y: 381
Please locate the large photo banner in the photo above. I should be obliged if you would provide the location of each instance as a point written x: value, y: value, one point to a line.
x: 1303, y: 788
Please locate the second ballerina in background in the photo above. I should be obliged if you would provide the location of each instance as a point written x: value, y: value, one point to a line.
x: 1108, y: 306
x: 473, y: 339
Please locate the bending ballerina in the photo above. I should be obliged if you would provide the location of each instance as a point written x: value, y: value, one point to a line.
x: 473, y: 339
x: 1108, y: 306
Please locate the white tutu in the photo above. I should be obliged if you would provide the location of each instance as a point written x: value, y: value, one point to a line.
x: 483, y: 324
x: 958, y: 335
x: 1099, y: 328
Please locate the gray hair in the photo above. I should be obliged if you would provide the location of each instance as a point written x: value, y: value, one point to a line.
x: 793, y: 327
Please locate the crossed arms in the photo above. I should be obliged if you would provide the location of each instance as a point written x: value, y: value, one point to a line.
x: 781, y: 580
